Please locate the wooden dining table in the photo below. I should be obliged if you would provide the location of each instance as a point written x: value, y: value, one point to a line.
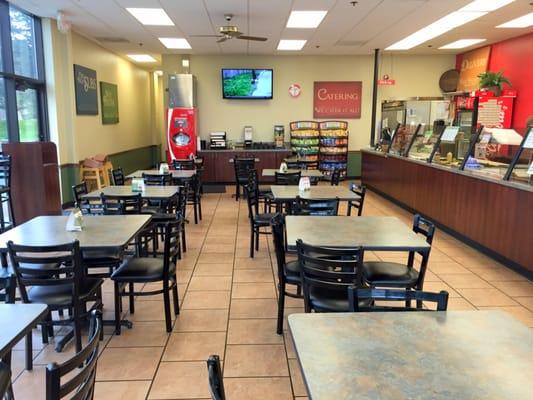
x: 467, y: 355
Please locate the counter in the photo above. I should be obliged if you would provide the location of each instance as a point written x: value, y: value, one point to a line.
x: 219, y: 169
x: 494, y: 215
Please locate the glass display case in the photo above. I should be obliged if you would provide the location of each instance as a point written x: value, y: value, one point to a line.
x: 403, y: 138
x: 424, y: 142
x: 521, y: 168
x: 450, y: 147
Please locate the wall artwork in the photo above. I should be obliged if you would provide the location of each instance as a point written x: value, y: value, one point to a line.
x: 86, y: 91
x: 337, y: 99
x: 109, y: 99
x: 474, y: 63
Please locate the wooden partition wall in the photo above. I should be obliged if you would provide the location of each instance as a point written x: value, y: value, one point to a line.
x: 496, y: 216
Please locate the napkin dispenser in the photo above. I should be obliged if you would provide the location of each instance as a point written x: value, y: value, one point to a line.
x: 137, y: 185
x: 304, y: 184
x: 283, y: 167
x: 75, y: 221
x: 163, y: 168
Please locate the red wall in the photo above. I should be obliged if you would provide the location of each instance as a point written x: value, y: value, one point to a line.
x: 515, y: 58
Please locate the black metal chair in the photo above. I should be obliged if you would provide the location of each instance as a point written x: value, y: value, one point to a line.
x: 264, y: 195
x: 316, y: 207
x: 216, y: 384
x: 296, y: 165
x: 147, y: 269
x: 118, y: 176
x: 360, y: 191
x: 195, y: 197
x: 54, y: 275
x: 157, y: 179
x: 335, y: 177
x: 6, y: 221
x: 369, y: 296
x: 6, y: 391
x: 184, y: 164
x: 81, y: 369
x: 257, y: 220
x: 241, y: 167
x: 86, y: 207
x: 396, y: 275
x: 288, y: 271
x: 287, y: 178
x: 326, y: 274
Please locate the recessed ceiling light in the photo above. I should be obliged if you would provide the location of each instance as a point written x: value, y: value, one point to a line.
x: 485, y: 5
x: 142, y: 57
x: 175, y: 43
x: 305, y: 19
x: 524, y: 21
x: 459, y: 44
x: 151, y: 16
x: 285, y: 44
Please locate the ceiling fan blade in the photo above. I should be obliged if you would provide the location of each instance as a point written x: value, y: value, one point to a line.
x: 255, y: 38
x: 205, y: 35
x: 222, y: 39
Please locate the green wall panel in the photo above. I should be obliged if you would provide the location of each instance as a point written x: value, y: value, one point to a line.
x: 354, y: 164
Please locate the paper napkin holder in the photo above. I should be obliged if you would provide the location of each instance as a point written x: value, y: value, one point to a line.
x: 75, y: 221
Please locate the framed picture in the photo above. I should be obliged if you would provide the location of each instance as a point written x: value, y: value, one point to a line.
x: 86, y: 91
x: 109, y: 99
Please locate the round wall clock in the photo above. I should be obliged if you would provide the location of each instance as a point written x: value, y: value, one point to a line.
x: 295, y: 90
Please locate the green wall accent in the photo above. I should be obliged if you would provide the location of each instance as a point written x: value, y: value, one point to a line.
x: 132, y: 160
x: 354, y: 163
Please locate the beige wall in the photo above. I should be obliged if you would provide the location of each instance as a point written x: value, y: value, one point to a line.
x: 415, y: 76
x: 80, y: 136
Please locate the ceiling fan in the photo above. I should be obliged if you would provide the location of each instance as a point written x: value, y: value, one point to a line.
x: 228, y: 32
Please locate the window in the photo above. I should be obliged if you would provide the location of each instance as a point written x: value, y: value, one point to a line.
x: 22, y: 83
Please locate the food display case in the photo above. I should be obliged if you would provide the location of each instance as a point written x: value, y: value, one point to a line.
x: 403, y: 138
x: 305, y: 142
x: 521, y: 168
x: 333, y: 153
x: 423, y: 143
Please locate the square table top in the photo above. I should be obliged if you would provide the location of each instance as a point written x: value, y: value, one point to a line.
x: 149, y: 192
x: 290, y: 192
x: 176, y: 174
x: 372, y: 233
x: 16, y: 321
x: 314, y: 173
x: 99, y: 231
x: 414, y: 355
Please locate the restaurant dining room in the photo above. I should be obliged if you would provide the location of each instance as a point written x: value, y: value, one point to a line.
x: 266, y: 200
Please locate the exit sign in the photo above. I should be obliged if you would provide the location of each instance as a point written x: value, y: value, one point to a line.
x: 386, y: 82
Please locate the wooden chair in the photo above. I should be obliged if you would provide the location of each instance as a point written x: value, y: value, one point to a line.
x: 368, y: 296
x: 216, y: 384
x: 359, y: 190
x: 316, y: 207
x: 149, y: 270
x: 96, y: 177
x: 81, y: 369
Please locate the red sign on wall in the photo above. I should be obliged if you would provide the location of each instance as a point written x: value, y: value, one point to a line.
x: 337, y: 99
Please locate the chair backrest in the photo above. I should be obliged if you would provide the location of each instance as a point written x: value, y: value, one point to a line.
x: 360, y: 191
x: 424, y: 227
x: 172, y: 246
x: 5, y: 170
x: 121, y: 205
x: 330, y: 269
x: 63, y: 266
x: 183, y: 164
x: 118, y: 176
x: 216, y: 384
x: 157, y: 179
x: 296, y: 165
x: 79, y: 386
x: 5, y: 379
x: 335, y: 177
x: 183, y: 195
x: 252, y: 193
x: 278, y: 235
x: 287, y: 178
x: 316, y: 207
x: 242, y: 165
x: 77, y: 191
x: 358, y: 295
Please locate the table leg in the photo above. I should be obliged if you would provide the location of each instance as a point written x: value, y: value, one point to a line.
x: 29, y: 352
x: 3, y: 259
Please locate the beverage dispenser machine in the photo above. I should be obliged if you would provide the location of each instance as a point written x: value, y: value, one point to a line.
x: 182, y: 115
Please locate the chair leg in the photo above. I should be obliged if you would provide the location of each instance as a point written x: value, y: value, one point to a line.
x: 183, y: 240
x: 200, y: 208
x: 195, y: 212
x: 349, y: 209
x: 29, y: 352
x: 77, y: 330
x: 131, y: 298
x: 257, y: 239
x: 237, y: 191
x: 176, y: 297
x: 118, y: 307
x: 166, y: 301
x: 252, y: 237
x: 50, y: 327
x: 281, y: 307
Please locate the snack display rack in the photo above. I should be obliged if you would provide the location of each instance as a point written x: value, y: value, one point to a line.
x: 333, y: 151
x: 305, y: 142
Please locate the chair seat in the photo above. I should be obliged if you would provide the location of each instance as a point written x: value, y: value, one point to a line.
x: 141, y: 269
x: 58, y: 295
x: 378, y: 273
x: 163, y: 217
x: 6, y: 272
x: 333, y: 301
x: 292, y: 272
x: 101, y: 257
x: 263, y: 219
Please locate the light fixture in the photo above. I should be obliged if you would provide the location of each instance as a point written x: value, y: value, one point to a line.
x: 285, y: 44
x: 524, y: 21
x: 305, y: 19
x: 151, y: 16
x: 185, y: 63
x: 468, y: 13
x: 175, y: 43
x: 462, y: 43
x: 158, y: 72
x: 142, y: 57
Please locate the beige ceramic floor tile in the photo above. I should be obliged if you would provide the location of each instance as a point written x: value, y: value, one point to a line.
x: 289, y: 345
x: 486, y: 297
x: 253, y: 331
x: 183, y: 275
x: 255, y: 361
x: 221, y: 269
x: 31, y: 384
x: 202, y: 321
x: 515, y: 289
x: 253, y: 291
x: 252, y: 275
x: 497, y: 274
x: 258, y: 388
x: 210, y: 247
x: 143, y: 334
x: 438, y: 286
x: 465, y: 281
x: 180, y: 380
x: 215, y: 258
x: 135, y: 364
x: 149, y: 310
x: 253, y: 308
x: 298, y: 385
x: 526, y: 302
x: 121, y: 390
x: 195, y: 346
x: 447, y: 268
x: 210, y: 283
x: 253, y: 263
x: 204, y: 300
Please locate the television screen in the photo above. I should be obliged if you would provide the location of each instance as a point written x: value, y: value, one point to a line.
x: 247, y: 83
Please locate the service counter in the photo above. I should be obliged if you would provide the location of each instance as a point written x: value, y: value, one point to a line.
x: 494, y: 215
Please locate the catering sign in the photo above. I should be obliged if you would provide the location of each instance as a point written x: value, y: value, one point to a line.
x: 473, y: 63
x: 337, y: 99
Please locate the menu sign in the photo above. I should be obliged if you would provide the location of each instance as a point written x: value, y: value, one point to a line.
x: 474, y: 63
x: 528, y: 144
x: 337, y: 99
x: 449, y: 134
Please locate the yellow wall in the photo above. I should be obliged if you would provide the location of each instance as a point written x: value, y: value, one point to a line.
x: 415, y: 76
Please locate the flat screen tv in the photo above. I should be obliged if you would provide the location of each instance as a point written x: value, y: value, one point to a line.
x: 247, y: 83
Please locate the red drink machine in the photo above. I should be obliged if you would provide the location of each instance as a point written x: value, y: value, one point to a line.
x: 182, y: 115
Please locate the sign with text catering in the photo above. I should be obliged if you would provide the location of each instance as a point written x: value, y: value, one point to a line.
x: 473, y: 63
x: 337, y: 99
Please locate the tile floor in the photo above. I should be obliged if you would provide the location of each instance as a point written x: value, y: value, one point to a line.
x: 229, y: 308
